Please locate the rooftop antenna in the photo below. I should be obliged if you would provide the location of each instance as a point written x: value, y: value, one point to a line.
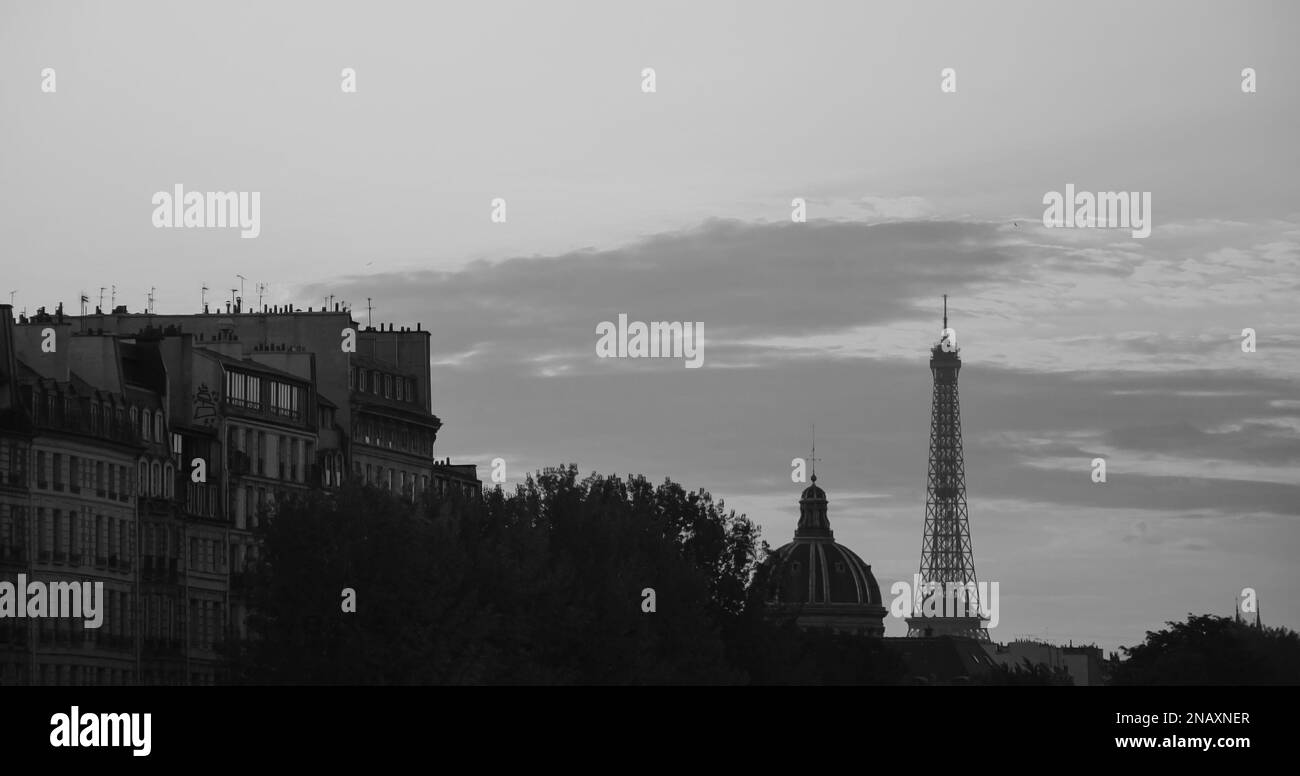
x: 945, y: 311
x: 241, y: 285
x: 85, y: 300
x: 101, y: 300
x: 369, y: 310
x: 261, y: 289
x: 151, y: 290
x: 203, y: 296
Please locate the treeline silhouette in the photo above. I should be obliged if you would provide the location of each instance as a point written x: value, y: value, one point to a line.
x: 540, y: 586
x: 1209, y: 649
x: 544, y: 585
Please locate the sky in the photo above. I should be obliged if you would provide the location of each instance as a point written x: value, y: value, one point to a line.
x: 676, y: 205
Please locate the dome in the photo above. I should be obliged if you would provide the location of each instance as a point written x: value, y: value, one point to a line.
x: 812, y: 571
x: 823, y: 582
x: 813, y: 492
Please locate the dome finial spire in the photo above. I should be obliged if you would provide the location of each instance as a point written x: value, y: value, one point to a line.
x: 812, y: 459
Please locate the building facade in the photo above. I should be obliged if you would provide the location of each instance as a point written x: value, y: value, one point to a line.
x: 141, y: 452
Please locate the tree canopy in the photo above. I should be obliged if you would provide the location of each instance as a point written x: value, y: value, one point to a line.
x: 545, y: 585
x: 1209, y: 649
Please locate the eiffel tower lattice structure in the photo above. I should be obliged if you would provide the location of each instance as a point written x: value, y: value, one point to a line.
x: 949, y: 594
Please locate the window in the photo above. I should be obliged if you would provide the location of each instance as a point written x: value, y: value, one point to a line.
x: 169, y: 478
x: 401, y: 385
x: 388, y: 386
x: 74, y: 474
x: 158, y: 426
x: 243, y: 390
x: 145, y: 424
x: 60, y: 541
x: 234, y: 388
x: 285, y: 399
x: 58, y: 471
x: 155, y: 479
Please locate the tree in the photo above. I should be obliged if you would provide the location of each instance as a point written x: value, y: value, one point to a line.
x: 1208, y: 649
x: 540, y: 586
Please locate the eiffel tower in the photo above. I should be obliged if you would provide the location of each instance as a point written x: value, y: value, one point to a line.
x: 947, y: 559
